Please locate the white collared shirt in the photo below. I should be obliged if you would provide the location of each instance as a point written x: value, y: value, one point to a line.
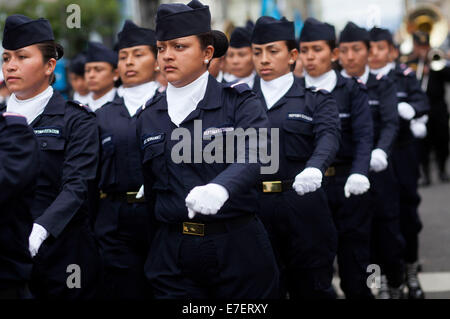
x: 326, y: 81
x: 182, y: 101
x: 30, y: 108
x: 384, y: 70
x: 83, y: 99
x: 98, y: 103
x: 364, y: 77
x: 134, y: 97
x: 275, y: 89
x: 249, y: 80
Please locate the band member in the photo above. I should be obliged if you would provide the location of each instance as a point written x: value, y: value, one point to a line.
x: 346, y: 180
x: 433, y: 82
x: 412, y: 103
x: 61, y: 242
x: 239, y: 56
x: 77, y: 80
x: 18, y: 171
x: 122, y: 224
x: 101, y: 74
x: 292, y: 204
x: 209, y: 242
x: 387, y: 240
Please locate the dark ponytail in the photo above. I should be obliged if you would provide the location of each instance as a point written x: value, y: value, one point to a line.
x: 51, y: 50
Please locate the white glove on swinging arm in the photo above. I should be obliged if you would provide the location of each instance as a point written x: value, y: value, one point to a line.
x: 206, y: 200
x: 356, y: 184
x: 37, y: 237
x: 309, y: 180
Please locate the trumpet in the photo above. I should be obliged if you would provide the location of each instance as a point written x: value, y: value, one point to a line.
x: 437, y: 59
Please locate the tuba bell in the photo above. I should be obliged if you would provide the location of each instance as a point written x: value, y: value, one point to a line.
x: 428, y: 19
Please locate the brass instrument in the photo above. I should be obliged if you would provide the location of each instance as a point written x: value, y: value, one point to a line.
x: 429, y: 19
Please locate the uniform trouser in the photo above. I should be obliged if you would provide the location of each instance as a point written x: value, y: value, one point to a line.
x: 353, y: 223
x: 304, y: 239
x: 236, y: 264
x: 437, y: 138
x: 17, y: 290
x: 122, y: 231
x: 387, y: 242
x: 406, y: 167
x: 67, y: 267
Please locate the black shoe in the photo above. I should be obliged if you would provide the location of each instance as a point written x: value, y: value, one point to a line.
x: 412, y: 282
x: 384, y: 292
x: 396, y: 293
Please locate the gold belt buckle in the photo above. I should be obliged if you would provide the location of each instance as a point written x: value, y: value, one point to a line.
x: 103, y: 195
x: 131, y: 198
x: 193, y: 229
x: 272, y: 187
x: 331, y: 171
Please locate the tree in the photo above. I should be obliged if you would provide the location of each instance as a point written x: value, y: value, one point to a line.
x: 101, y: 16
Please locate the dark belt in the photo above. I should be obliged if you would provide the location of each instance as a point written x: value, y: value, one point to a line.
x: 277, y: 186
x: 129, y: 197
x: 340, y: 170
x: 211, y: 228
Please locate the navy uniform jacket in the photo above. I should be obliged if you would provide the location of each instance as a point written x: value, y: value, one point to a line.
x: 68, y: 141
x: 309, y: 129
x: 409, y: 91
x: 18, y: 172
x: 225, y: 106
x: 120, y: 159
x: 383, y: 103
x: 356, y: 124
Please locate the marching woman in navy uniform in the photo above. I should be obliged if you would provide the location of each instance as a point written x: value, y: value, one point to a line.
x: 386, y: 241
x: 412, y: 104
x: 292, y: 204
x: 122, y: 221
x: 66, y: 259
x: 100, y: 72
x: 346, y: 180
x: 209, y: 242
x: 77, y: 80
x: 18, y: 172
x: 239, y: 55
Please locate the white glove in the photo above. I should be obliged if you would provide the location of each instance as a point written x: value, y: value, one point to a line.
x: 309, y: 180
x: 206, y: 200
x: 140, y: 192
x: 37, y: 237
x: 423, y: 119
x: 406, y: 111
x: 378, y: 161
x: 418, y: 129
x: 356, y: 184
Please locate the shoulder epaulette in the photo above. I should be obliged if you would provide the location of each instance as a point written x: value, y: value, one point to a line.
x: 14, y: 118
x: 80, y: 106
x: 240, y: 87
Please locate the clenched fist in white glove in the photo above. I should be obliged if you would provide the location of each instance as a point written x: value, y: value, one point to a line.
x: 356, y: 184
x: 418, y: 126
x: 309, y: 180
x: 378, y: 160
x: 406, y: 111
x: 37, y: 237
x: 206, y: 200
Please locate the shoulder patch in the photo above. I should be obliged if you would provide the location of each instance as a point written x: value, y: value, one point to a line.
x: 14, y: 118
x: 408, y: 71
x: 81, y: 106
x: 314, y: 89
x: 241, y: 87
